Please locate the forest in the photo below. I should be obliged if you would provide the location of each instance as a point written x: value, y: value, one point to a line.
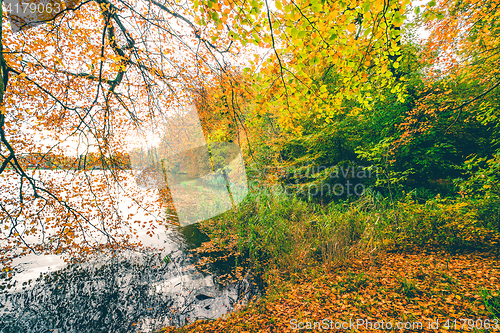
x: 364, y: 135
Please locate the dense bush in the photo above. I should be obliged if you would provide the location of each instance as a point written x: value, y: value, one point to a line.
x: 453, y: 225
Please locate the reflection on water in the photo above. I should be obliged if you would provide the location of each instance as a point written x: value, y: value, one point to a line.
x: 128, y: 293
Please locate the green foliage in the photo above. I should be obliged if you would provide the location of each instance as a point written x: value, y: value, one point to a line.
x: 286, y: 232
x: 482, y: 187
x: 444, y: 224
x: 484, y: 176
x: 491, y: 301
x: 407, y: 287
x: 388, y: 178
x: 276, y: 230
x: 354, y: 282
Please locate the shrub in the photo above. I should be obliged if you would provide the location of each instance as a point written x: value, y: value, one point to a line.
x: 453, y: 225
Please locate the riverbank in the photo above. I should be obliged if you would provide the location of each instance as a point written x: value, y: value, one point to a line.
x: 370, y: 260
x: 424, y: 288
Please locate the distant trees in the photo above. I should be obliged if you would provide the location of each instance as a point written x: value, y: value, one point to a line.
x: 89, y: 161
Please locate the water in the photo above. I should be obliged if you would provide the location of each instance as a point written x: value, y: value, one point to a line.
x: 128, y: 292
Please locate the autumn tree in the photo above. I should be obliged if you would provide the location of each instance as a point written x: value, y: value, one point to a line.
x: 462, y: 78
x: 330, y: 64
x: 91, y: 76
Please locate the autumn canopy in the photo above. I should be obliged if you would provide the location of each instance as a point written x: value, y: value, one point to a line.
x: 82, y: 83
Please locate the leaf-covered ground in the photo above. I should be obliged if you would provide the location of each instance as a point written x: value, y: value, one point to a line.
x: 392, y: 287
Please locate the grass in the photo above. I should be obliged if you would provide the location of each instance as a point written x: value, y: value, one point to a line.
x: 280, y: 232
x: 407, y: 287
x: 283, y: 233
x: 491, y: 301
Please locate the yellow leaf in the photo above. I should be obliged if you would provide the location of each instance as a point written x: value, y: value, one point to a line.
x: 351, y: 27
x: 333, y: 15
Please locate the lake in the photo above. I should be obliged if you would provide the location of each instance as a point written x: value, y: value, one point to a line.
x: 129, y: 291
